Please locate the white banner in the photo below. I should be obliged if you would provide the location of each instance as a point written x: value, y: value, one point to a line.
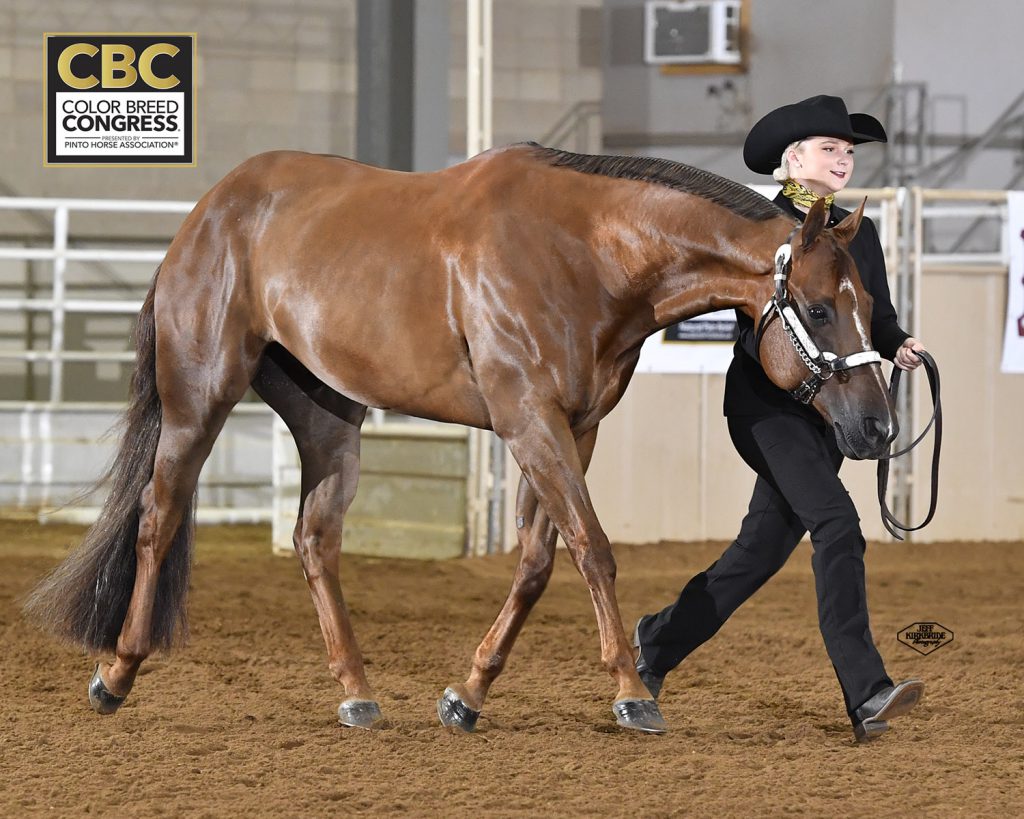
x: 700, y: 345
x: 1013, y: 341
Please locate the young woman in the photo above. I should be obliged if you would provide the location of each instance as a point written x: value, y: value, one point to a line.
x: 808, y: 147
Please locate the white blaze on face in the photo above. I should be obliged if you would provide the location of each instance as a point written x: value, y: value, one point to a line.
x: 846, y: 286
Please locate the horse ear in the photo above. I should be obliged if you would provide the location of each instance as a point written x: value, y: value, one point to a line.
x: 814, y: 222
x: 847, y: 229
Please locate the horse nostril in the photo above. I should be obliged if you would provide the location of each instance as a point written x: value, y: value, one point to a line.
x: 876, y: 433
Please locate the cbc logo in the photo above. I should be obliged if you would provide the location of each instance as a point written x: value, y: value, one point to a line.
x: 117, y: 66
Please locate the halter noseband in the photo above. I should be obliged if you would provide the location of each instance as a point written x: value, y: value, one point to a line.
x: 822, y: 363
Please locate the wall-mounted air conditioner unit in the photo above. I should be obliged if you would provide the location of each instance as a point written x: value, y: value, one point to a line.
x: 692, y: 31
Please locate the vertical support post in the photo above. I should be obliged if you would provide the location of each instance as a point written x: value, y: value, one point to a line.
x: 28, y: 455
x: 46, y: 472
x: 487, y: 452
x: 431, y: 44
x: 496, y: 496
x: 60, y: 246
x: 479, y: 71
x: 384, y: 102
x: 916, y: 292
x: 907, y: 294
x: 30, y: 330
x: 478, y: 483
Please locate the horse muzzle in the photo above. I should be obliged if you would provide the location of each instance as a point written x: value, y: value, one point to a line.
x: 867, y: 438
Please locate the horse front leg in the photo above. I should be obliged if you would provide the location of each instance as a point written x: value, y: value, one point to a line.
x: 537, y: 538
x: 545, y: 449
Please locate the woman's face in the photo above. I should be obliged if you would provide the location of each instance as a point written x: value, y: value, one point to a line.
x: 822, y: 164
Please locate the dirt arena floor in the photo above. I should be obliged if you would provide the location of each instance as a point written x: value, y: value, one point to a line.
x: 242, y: 721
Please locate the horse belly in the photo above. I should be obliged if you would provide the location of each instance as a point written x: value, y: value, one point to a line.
x: 405, y: 360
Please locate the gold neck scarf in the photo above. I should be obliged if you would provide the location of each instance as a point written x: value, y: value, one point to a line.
x: 805, y: 197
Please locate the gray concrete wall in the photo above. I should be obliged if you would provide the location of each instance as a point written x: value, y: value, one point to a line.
x: 969, y: 57
x: 547, y: 58
x: 270, y: 75
x: 796, y: 48
x: 283, y: 75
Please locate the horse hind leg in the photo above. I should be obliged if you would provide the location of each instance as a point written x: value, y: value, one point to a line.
x: 325, y: 426
x: 195, y: 403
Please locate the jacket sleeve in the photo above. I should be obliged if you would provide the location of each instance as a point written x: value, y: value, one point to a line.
x: 866, y: 249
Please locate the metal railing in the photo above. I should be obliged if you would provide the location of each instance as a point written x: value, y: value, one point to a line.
x: 34, y: 476
x: 902, y: 214
x: 58, y: 305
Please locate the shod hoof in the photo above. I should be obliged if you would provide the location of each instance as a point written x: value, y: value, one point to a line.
x: 359, y: 713
x: 454, y: 713
x: 640, y: 715
x: 101, y: 700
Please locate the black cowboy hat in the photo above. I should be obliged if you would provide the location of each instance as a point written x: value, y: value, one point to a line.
x: 816, y: 116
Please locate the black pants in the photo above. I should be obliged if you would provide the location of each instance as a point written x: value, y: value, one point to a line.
x: 797, y: 490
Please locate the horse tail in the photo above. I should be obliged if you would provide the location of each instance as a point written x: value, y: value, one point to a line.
x: 85, y: 599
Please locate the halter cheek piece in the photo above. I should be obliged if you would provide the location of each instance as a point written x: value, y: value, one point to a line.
x: 822, y: 363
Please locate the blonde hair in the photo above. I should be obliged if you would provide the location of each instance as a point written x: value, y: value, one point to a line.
x: 782, y: 173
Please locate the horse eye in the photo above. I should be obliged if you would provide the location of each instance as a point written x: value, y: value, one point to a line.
x: 817, y: 313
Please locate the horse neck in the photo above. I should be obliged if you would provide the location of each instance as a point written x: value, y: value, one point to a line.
x: 723, y: 264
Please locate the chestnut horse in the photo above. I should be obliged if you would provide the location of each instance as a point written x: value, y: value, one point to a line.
x: 511, y: 292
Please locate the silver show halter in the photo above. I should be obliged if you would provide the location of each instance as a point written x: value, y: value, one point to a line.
x: 822, y: 363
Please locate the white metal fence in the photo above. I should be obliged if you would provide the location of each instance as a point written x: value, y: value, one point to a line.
x: 53, y: 448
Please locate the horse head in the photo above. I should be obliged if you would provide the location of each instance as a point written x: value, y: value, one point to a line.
x: 814, y: 335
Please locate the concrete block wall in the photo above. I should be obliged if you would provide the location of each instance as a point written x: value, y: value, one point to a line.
x: 282, y: 75
x: 547, y: 58
x: 270, y: 75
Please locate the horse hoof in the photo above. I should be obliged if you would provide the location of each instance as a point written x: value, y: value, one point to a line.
x: 640, y: 715
x: 454, y: 713
x: 359, y: 713
x: 101, y: 700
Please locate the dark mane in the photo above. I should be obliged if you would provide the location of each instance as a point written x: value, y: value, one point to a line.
x: 738, y: 198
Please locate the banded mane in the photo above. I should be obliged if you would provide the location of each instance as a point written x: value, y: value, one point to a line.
x: 738, y: 198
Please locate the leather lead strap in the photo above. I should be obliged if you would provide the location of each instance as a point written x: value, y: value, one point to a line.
x: 888, y: 519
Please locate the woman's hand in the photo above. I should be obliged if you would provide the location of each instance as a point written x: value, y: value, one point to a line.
x: 905, y: 358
